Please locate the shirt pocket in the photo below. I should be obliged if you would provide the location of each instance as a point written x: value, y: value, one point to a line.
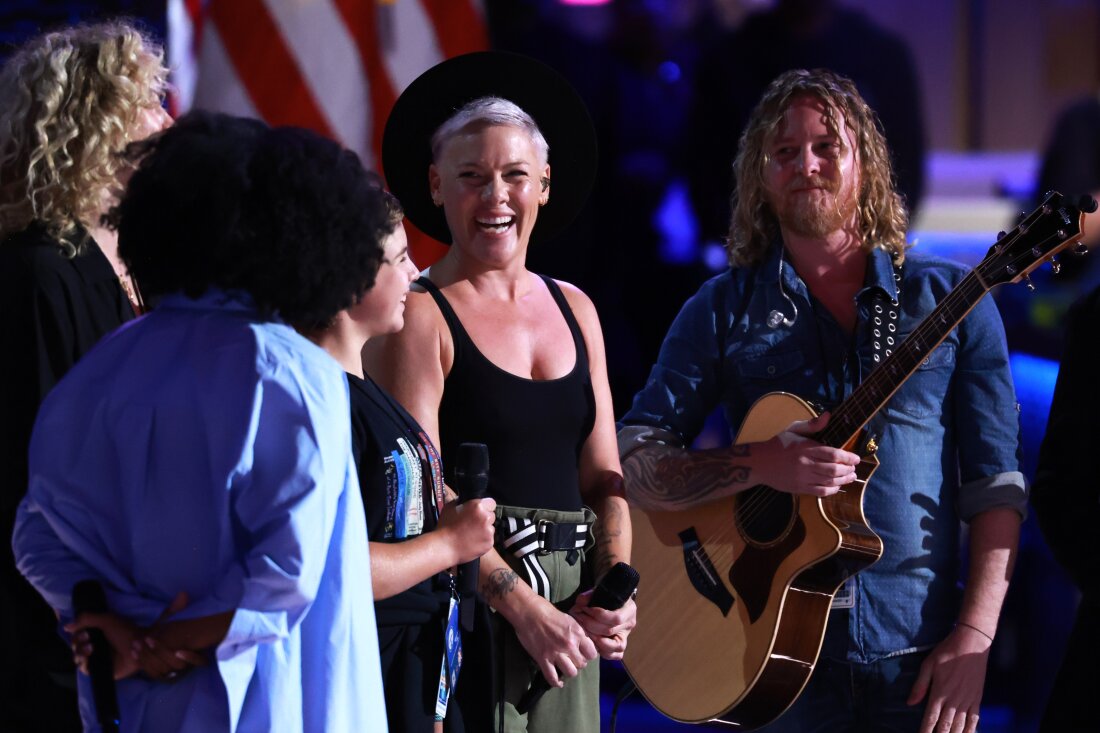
x: 768, y: 371
x: 922, y: 395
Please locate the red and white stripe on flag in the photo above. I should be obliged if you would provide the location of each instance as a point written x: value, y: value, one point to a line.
x: 333, y: 66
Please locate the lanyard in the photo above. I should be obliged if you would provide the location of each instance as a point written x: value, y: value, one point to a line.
x: 424, y: 446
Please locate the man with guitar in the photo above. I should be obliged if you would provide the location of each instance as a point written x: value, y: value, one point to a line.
x: 821, y: 290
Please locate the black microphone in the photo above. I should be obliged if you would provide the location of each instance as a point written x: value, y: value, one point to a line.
x: 471, y: 482
x: 615, y: 589
x: 88, y: 597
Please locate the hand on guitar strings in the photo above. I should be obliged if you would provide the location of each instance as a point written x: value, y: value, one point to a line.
x: 797, y: 464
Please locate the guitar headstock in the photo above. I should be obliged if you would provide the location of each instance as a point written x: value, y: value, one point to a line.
x: 1051, y: 228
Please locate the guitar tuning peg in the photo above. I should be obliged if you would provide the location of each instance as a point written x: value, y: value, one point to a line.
x: 1030, y: 285
x: 1055, y: 266
x: 1081, y: 249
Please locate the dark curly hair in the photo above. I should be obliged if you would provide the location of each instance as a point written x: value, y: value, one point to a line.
x: 283, y: 214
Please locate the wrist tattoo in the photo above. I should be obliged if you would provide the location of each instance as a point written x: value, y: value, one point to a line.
x: 500, y: 583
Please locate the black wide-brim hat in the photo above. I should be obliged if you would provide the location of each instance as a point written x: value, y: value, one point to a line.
x: 540, y: 91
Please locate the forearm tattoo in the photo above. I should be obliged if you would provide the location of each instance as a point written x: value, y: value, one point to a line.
x: 660, y: 476
x: 500, y: 583
x: 608, y: 530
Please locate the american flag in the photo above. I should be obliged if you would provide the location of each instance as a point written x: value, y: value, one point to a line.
x: 333, y: 66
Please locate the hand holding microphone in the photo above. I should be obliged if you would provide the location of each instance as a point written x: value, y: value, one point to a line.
x: 612, y: 592
x: 472, y: 485
x: 88, y: 597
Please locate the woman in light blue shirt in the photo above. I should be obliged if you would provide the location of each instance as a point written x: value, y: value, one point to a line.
x: 205, y: 447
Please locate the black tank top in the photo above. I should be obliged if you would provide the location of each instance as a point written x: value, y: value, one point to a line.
x: 534, y: 428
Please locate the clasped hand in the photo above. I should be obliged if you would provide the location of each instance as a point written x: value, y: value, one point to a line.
x: 562, y: 644
x: 608, y: 630
x: 556, y: 642
x: 135, y: 648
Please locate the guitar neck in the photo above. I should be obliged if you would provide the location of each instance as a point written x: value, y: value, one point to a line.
x: 870, y: 396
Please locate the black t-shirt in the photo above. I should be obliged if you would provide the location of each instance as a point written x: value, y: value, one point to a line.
x: 400, y: 479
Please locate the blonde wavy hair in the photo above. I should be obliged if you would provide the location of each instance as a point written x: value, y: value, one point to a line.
x: 69, y: 102
x: 883, y: 219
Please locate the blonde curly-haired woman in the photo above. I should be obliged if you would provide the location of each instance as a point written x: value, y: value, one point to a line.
x: 70, y: 102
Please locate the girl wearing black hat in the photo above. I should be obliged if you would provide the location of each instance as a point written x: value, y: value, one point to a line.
x: 495, y: 354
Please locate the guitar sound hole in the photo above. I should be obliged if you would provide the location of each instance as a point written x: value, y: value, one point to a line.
x: 764, y: 515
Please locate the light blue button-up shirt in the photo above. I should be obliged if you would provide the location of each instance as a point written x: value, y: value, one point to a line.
x: 948, y: 439
x: 202, y: 449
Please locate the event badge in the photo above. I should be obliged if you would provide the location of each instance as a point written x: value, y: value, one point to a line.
x: 452, y: 661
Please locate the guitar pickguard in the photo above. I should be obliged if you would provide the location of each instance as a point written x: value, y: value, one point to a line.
x: 704, y: 578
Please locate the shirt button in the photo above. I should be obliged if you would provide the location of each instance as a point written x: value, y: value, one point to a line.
x: 771, y: 370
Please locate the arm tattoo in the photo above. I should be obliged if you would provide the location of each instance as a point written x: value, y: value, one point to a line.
x: 500, y: 583
x: 664, y: 477
x: 609, y: 527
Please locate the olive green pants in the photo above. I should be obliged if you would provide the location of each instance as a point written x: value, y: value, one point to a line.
x: 574, y: 708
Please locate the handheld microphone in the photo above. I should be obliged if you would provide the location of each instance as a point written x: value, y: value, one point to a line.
x: 471, y: 482
x: 88, y: 597
x: 614, y: 590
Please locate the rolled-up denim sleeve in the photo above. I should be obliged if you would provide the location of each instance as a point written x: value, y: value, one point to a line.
x: 684, y: 385
x: 987, y: 418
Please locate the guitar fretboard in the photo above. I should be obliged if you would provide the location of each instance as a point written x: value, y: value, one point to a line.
x: 870, y: 396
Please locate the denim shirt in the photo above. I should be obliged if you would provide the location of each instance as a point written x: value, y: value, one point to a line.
x: 948, y: 439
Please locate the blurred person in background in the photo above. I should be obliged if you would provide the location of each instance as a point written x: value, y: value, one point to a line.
x: 70, y: 102
x: 738, y: 66
x: 1066, y: 497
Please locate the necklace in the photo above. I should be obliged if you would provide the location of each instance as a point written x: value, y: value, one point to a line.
x: 131, y: 294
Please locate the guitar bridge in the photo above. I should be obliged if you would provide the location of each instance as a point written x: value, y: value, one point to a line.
x: 704, y: 578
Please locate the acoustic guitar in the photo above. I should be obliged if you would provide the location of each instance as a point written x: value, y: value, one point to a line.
x: 737, y: 591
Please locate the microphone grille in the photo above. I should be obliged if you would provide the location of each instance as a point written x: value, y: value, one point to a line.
x: 472, y: 459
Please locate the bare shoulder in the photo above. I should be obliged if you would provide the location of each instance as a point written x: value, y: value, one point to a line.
x: 423, y: 341
x: 580, y: 303
x: 422, y: 315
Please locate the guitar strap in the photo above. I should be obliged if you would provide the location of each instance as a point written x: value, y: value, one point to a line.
x: 884, y: 329
x: 884, y: 323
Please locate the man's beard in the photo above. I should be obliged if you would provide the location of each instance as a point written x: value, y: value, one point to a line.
x: 814, y: 215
